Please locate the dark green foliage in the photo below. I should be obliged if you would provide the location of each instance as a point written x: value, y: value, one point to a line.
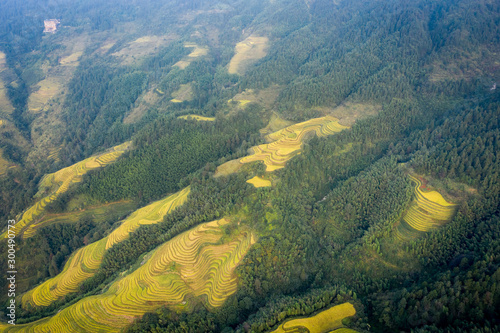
x: 330, y: 218
x: 166, y: 152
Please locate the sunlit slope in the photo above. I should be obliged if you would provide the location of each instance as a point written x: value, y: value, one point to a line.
x: 259, y: 182
x: 198, y: 51
x: 57, y: 183
x: 5, y: 104
x: 428, y: 211
x: 324, y: 321
x: 197, y: 117
x: 84, y: 263
x: 247, y: 52
x: 193, y: 264
x: 287, y: 143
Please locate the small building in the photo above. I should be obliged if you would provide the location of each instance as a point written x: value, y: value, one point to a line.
x: 51, y: 25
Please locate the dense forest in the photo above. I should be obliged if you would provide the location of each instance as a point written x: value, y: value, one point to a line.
x: 414, y: 84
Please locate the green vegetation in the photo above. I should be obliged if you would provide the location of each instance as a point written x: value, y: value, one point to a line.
x: 378, y: 119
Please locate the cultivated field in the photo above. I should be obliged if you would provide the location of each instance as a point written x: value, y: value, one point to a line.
x: 265, y: 97
x: 84, y: 262
x: 275, y: 124
x: 4, y: 164
x: 5, y: 105
x: 246, y: 53
x: 54, y: 184
x: 145, y: 102
x: 184, y: 93
x: 259, y: 182
x: 57, y: 77
x: 198, y: 51
x: 141, y: 47
x: 324, y: 321
x: 287, y: 143
x: 196, y: 117
x: 193, y: 264
x: 428, y: 211
x: 228, y: 168
x: 99, y: 213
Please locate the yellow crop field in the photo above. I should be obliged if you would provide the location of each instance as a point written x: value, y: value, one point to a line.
x: 428, y: 211
x: 54, y: 184
x: 193, y: 264
x: 246, y: 52
x: 198, y: 51
x: 151, y: 214
x: 241, y: 102
x: 196, y: 117
x: 259, y: 182
x: 228, y: 168
x: 322, y: 322
x: 287, y: 143
x: 84, y: 263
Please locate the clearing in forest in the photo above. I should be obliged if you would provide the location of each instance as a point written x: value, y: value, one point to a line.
x: 192, y: 264
x: 58, y: 76
x: 84, y: 263
x: 259, y: 182
x: 4, y: 164
x: 5, y: 105
x: 196, y: 117
x: 324, y: 321
x: 265, y: 97
x: 247, y: 52
x: 184, y: 93
x: 287, y: 143
x: 145, y: 102
x: 428, y: 211
x: 142, y: 47
x: 54, y: 184
x: 275, y: 124
x: 197, y: 52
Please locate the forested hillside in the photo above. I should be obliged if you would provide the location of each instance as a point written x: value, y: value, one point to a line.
x: 251, y: 166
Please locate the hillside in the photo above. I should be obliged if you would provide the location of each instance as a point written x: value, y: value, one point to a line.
x: 251, y: 166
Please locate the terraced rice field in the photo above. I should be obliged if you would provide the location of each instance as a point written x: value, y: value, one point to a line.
x: 196, y: 117
x: 287, y: 143
x: 99, y: 214
x: 247, y: 52
x: 59, y: 182
x: 259, y: 182
x: 193, y: 264
x: 428, y: 211
x: 84, y: 262
x: 324, y: 321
